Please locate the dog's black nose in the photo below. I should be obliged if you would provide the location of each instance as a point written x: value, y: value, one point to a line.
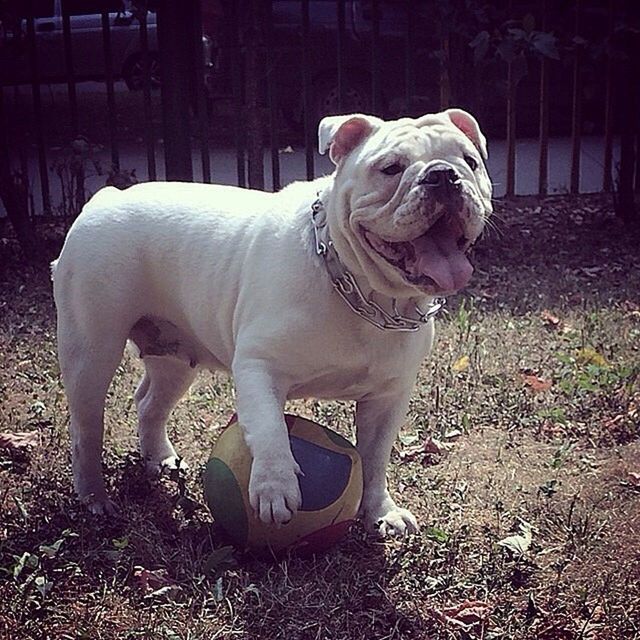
x: 442, y: 178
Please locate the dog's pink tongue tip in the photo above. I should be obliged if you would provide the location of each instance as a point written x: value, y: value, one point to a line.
x: 440, y: 258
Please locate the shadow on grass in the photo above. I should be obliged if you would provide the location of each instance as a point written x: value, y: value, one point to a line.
x: 152, y: 558
x: 561, y: 252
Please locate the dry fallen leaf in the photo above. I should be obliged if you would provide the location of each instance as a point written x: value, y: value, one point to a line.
x: 536, y: 383
x: 461, y: 364
x: 19, y: 441
x: 631, y: 480
x: 520, y: 543
x: 549, y: 319
x: 150, y: 580
x: 468, y: 614
x: 589, y: 355
x: 430, y: 446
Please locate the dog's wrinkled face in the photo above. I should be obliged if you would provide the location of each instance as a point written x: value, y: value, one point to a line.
x: 411, y: 198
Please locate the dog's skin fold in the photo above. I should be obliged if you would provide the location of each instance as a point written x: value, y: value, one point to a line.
x: 203, y: 276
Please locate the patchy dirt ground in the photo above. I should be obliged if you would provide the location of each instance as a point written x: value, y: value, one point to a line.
x: 521, y: 458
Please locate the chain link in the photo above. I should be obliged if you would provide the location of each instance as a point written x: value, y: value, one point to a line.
x: 347, y: 286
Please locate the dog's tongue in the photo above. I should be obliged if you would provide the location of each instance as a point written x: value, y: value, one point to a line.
x: 439, y: 257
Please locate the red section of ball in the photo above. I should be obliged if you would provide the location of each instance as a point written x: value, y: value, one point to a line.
x: 322, y: 539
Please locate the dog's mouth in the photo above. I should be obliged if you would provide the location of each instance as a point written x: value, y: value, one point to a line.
x: 435, y: 261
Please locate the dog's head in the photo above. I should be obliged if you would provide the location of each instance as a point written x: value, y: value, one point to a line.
x: 410, y: 198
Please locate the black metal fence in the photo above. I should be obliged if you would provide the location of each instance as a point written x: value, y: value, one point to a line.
x: 269, y: 70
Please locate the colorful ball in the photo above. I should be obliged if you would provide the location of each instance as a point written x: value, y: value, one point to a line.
x: 330, y: 484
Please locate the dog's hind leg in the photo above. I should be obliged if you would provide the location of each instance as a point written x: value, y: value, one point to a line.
x: 88, y: 360
x: 165, y: 381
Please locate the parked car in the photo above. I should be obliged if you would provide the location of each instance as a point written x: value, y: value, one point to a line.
x: 321, y: 55
x: 86, y: 45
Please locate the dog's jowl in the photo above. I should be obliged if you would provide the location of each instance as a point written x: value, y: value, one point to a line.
x: 326, y: 289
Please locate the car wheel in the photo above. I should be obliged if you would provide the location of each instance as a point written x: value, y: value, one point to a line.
x: 356, y: 99
x: 133, y: 71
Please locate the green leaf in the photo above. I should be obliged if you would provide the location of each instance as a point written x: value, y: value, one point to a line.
x: 529, y: 23
x: 43, y: 586
x: 517, y: 34
x: 218, y: 593
x: 220, y: 560
x: 120, y: 543
x: 546, y: 44
x: 437, y: 534
x: 51, y: 550
x: 27, y: 560
x: 408, y: 438
x: 480, y: 46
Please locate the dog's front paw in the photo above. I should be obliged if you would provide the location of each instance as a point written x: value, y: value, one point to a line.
x: 99, y: 505
x: 274, y: 491
x: 165, y: 466
x: 390, y: 520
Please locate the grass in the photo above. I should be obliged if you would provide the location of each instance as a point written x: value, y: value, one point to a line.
x: 533, y: 389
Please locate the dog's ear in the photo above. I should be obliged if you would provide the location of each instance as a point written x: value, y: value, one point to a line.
x: 342, y: 134
x: 470, y: 127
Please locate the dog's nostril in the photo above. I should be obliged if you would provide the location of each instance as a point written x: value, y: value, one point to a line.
x: 441, y: 177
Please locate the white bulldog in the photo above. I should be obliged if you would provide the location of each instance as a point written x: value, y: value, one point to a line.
x: 325, y: 289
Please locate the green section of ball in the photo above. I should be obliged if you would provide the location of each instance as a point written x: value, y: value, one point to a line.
x: 224, y: 497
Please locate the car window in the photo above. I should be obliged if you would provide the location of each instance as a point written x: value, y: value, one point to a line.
x: 86, y: 7
x: 43, y: 8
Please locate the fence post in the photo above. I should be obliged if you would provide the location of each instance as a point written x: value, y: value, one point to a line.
x: 252, y: 39
x: 543, y: 159
x: 176, y: 57
x: 511, y: 131
x: 607, y: 178
x: 576, y: 110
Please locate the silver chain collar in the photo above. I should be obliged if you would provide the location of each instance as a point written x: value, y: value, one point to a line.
x: 349, y: 290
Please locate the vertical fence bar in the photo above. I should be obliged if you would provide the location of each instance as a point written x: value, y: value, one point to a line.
x: 78, y: 198
x: 15, y: 199
x: 20, y: 143
x: 636, y: 179
x: 375, y: 57
x: 445, y: 76
x: 175, y: 28
x: 511, y: 132
x: 511, y: 120
x: 409, y: 79
x: 576, y: 109
x: 237, y: 80
x: 111, y: 102
x: 68, y: 57
x: 607, y: 162
x: 306, y: 90
x: 272, y: 95
x: 201, y: 97
x: 37, y: 111
x: 340, y: 53
x: 253, y: 67
x: 543, y: 159
x: 149, y: 138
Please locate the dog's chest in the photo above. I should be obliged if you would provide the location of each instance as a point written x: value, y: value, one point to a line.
x: 355, y: 369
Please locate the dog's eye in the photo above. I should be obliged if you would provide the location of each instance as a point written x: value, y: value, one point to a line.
x: 393, y: 169
x: 471, y: 161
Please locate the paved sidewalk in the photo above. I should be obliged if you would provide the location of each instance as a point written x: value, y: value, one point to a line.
x: 92, y: 105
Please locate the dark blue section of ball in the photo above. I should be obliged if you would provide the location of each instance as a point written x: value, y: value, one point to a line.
x: 326, y: 473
